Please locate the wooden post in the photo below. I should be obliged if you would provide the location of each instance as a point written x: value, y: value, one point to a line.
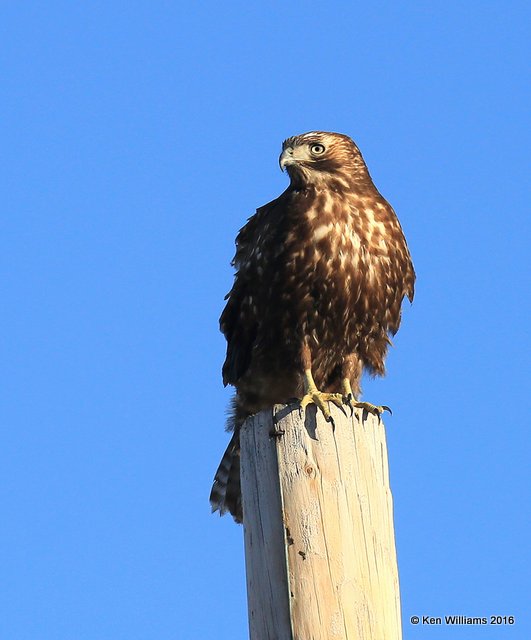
x: 318, y: 522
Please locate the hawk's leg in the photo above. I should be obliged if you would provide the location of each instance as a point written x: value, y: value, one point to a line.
x: 351, y: 370
x: 350, y: 399
x: 312, y: 395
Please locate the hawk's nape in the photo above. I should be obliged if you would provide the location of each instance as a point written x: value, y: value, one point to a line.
x: 321, y: 273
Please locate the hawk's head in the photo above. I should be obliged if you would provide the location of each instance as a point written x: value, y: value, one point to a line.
x: 319, y: 156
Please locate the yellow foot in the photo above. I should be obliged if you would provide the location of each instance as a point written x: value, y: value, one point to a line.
x: 320, y: 399
x: 377, y: 410
x: 312, y: 395
x: 350, y: 400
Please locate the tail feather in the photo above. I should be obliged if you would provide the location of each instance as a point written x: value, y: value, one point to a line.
x: 226, y: 490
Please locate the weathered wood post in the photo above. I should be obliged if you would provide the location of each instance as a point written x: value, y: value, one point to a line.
x: 318, y: 522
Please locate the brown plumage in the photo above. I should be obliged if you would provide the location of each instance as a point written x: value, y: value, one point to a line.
x: 321, y: 275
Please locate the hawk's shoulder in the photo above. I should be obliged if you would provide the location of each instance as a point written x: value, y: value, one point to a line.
x: 239, y: 321
x: 257, y: 230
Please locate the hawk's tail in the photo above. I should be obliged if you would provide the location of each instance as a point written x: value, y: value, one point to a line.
x: 226, y: 491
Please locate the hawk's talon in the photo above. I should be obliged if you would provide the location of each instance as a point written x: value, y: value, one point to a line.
x: 348, y: 394
x: 350, y: 399
x: 376, y: 410
x: 319, y: 399
x: 347, y: 399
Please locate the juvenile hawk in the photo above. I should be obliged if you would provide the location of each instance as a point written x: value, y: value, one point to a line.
x: 321, y: 275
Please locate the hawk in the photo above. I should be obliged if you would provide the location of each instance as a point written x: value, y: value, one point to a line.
x: 321, y: 273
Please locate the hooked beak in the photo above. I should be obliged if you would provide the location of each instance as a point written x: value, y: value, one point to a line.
x: 286, y: 158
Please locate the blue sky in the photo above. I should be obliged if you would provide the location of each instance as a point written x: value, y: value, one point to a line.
x: 136, y: 140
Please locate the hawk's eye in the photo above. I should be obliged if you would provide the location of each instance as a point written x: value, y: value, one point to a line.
x: 317, y: 149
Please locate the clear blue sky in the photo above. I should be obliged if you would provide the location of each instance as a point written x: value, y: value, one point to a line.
x: 136, y: 139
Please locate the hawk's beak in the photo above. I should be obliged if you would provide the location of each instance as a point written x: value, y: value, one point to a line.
x: 286, y: 158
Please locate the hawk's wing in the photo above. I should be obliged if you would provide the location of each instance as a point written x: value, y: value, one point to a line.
x: 239, y: 320
x: 239, y: 326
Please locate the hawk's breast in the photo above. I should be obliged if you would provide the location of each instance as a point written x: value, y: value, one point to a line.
x: 345, y: 262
